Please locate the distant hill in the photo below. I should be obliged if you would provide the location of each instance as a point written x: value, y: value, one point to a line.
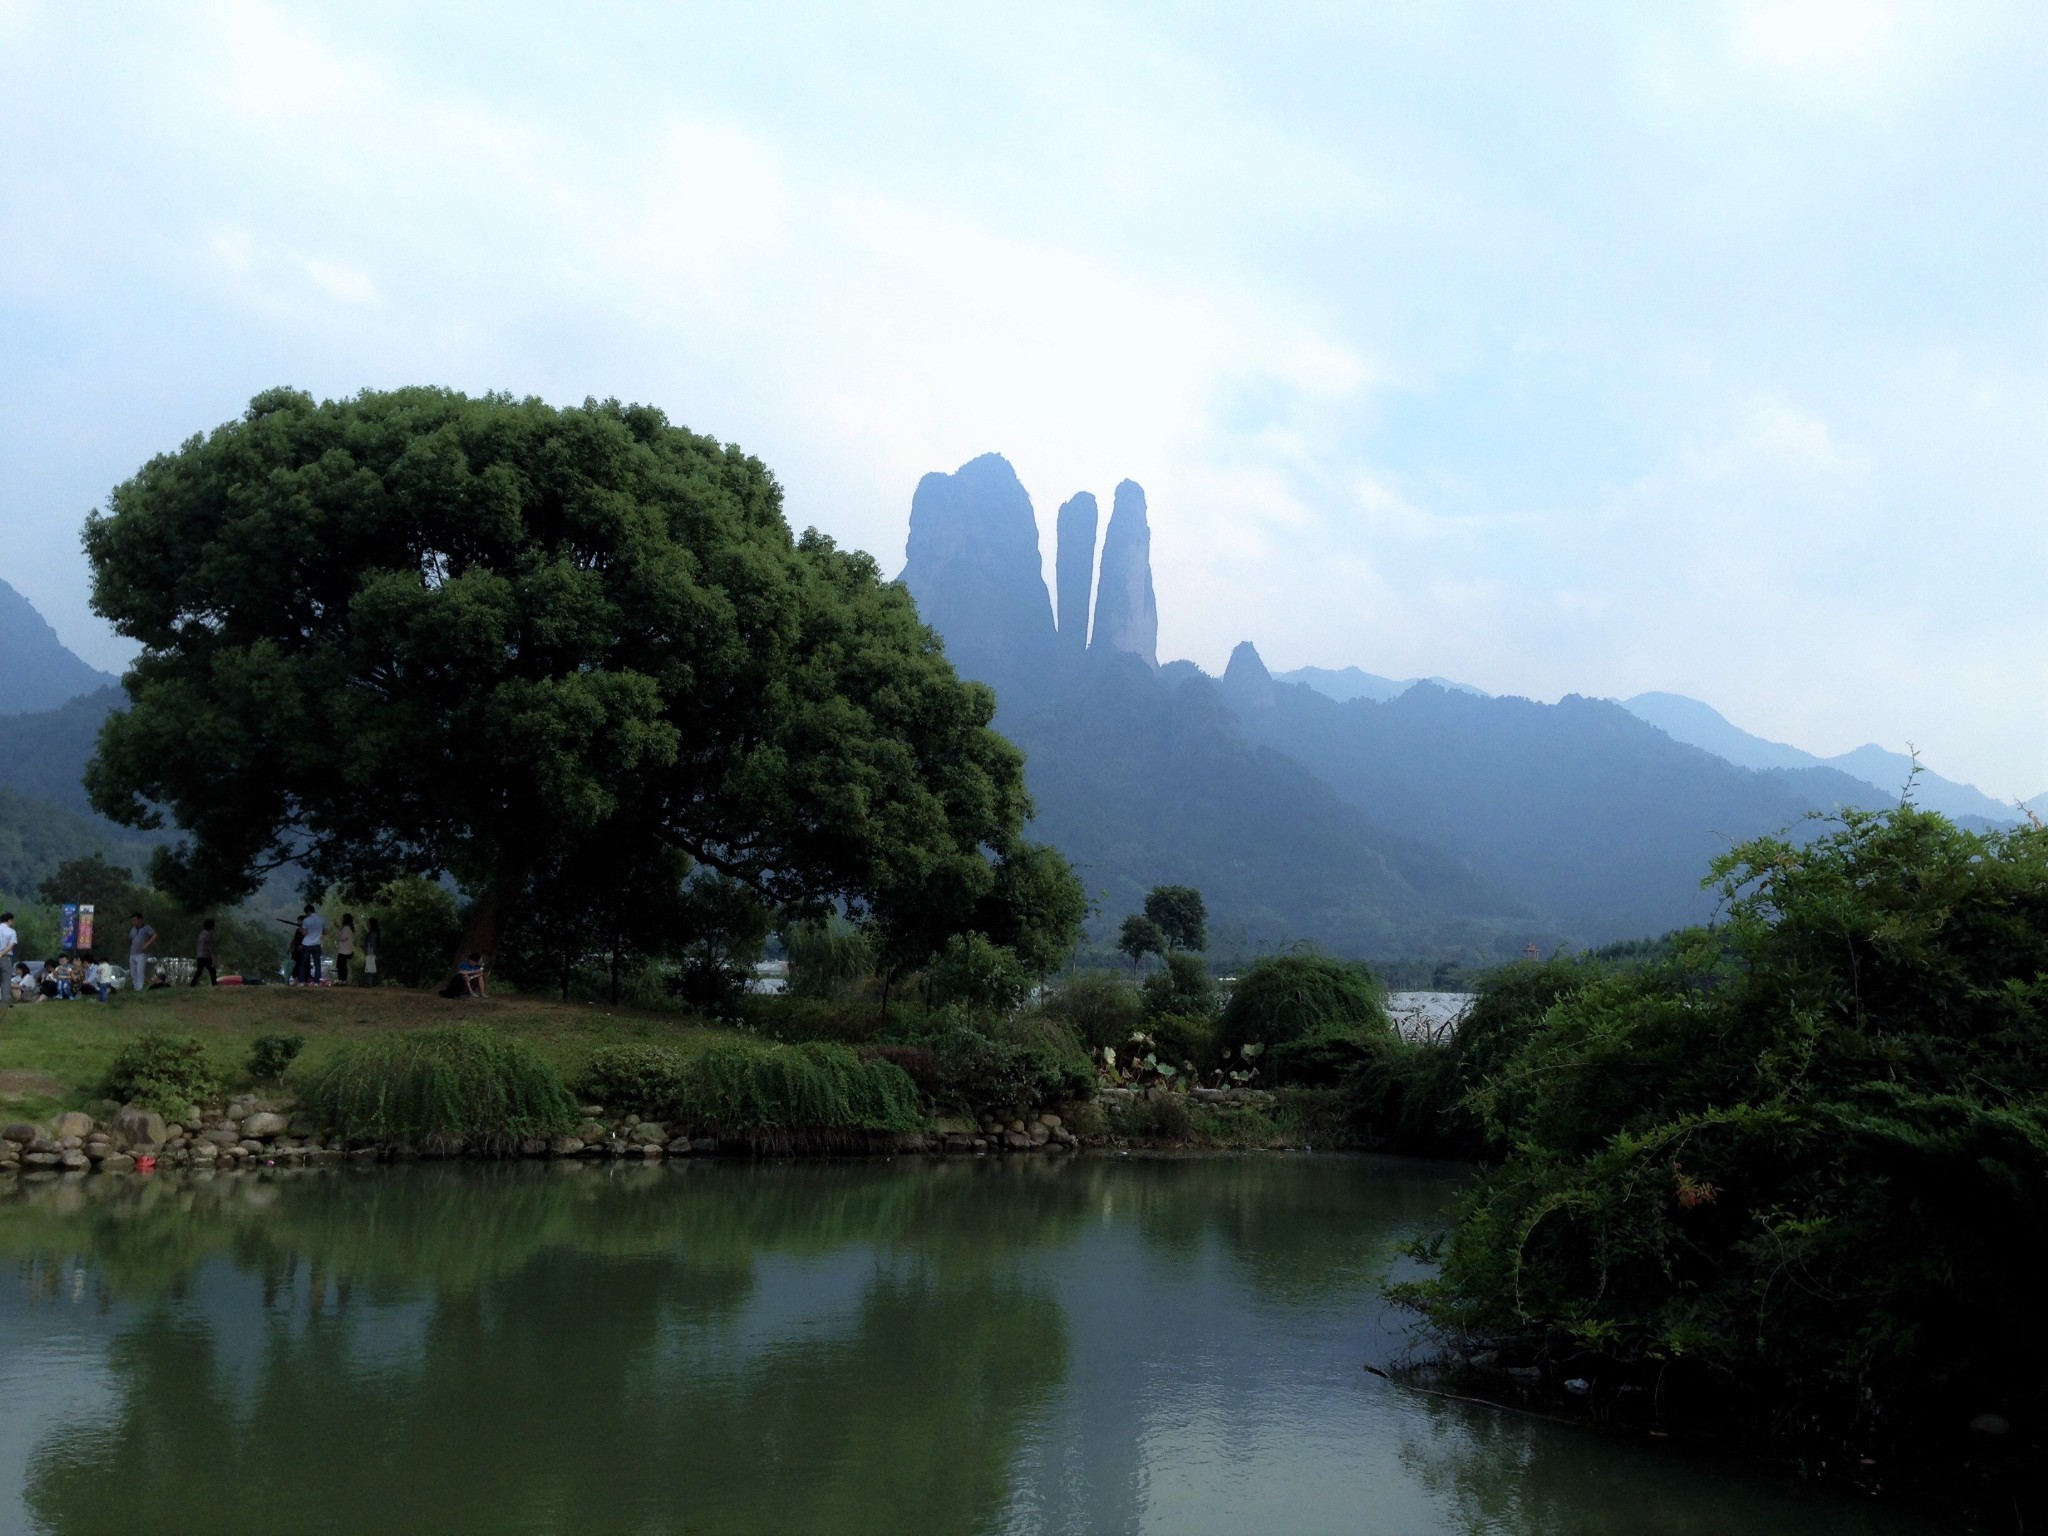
x: 1142, y: 779
x: 1701, y: 725
x: 1579, y: 807
x: 1348, y: 683
x: 41, y: 672
x: 44, y: 754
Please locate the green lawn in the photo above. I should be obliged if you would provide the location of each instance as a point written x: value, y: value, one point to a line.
x: 53, y: 1055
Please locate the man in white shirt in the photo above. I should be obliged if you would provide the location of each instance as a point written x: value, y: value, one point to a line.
x: 314, y: 926
x: 9, y: 940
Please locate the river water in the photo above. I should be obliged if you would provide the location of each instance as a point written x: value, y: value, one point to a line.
x: 1100, y: 1344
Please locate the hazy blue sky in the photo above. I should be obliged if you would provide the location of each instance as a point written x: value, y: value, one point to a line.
x: 1555, y: 348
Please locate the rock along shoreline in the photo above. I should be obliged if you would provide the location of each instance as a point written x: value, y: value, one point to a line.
x: 250, y: 1130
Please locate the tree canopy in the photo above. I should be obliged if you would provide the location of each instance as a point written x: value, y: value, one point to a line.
x: 1181, y: 915
x: 419, y: 632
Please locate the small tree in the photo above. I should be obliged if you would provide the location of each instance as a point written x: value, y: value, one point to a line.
x: 1181, y: 916
x: 1139, y: 937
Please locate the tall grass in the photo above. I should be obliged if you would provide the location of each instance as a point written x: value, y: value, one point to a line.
x: 439, y: 1085
x: 812, y: 1094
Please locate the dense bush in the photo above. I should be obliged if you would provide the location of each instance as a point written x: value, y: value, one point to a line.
x: 975, y: 973
x: 271, y: 1055
x: 1187, y: 1044
x: 767, y: 1093
x: 1801, y: 1164
x: 164, y: 1072
x: 984, y: 1066
x: 441, y: 1084
x: 1182, y: 988
x: 1100, y: 1009
x: 1284, y: 997
x: 417, y: 930
x: 646, y: 1079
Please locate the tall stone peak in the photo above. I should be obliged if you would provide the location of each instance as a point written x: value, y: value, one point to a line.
x: 1246, y: 680
x: 1075, y: 568
x: 1126, y: 613
x: 973, y: 565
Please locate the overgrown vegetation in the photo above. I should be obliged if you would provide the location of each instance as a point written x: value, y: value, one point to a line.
x: 767, y: 1093
x: 164, y: 1072
x: 1793, y: 1174
x: 468, y: 1082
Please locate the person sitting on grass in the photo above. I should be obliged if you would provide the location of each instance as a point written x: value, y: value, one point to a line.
x: 67, y: 973
x: 23, y: 984
x: 472, y: 973
x: 157, y: 979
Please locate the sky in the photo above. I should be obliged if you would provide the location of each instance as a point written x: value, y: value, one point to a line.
x: 1594, y: 349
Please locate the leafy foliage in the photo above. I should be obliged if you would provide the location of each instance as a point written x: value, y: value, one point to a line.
x: 1183, y: 987
x: 1803, y: 1161
x: 271, y: 1056
x: 1178, y: 912
x: 1139, y: 937
x: 164, y: 1072
x: 977, y: 974
x: 1100, y: 1009
x: 467, y: 1082
x: 647, y: 1079
x: 986, y: 1066
x: 417, y: 925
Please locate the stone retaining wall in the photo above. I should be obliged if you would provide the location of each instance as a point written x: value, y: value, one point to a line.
x: 251, y: 1131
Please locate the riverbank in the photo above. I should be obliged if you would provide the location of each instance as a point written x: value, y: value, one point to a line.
x: 56, y: 1058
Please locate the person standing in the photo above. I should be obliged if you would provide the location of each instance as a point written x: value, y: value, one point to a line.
x: 313, y: 942
x: 202, y: 950
x: 344, y: 948
x: 371, y: 939
x: 140, y: 937
x: 9, y: 941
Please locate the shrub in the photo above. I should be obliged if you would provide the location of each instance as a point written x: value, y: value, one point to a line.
x: 417, y: 930
x: 981, y: 1067
x: 975, y: 973
x: 1281, y: 998
x: 770, y: 1092
x: 442, y: 1084
x: 1188, y: 1045
x: 271, y: 1055
x: 164, y: 1072
x: 645, y: 1079
x: 1182, y: 988
x: 1099, y: 1008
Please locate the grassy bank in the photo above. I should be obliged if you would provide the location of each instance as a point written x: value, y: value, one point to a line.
x: 54, y: 1056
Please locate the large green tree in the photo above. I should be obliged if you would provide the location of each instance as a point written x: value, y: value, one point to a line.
x: 415, y: 631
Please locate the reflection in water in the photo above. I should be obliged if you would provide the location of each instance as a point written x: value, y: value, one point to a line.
x: 1103, y: 1344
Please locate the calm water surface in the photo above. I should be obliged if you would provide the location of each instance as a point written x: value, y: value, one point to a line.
x: 1105, y: 1344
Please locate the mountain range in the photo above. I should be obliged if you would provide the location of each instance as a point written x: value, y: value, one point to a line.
x: 1376, y: 816
x: 1373, y: 816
